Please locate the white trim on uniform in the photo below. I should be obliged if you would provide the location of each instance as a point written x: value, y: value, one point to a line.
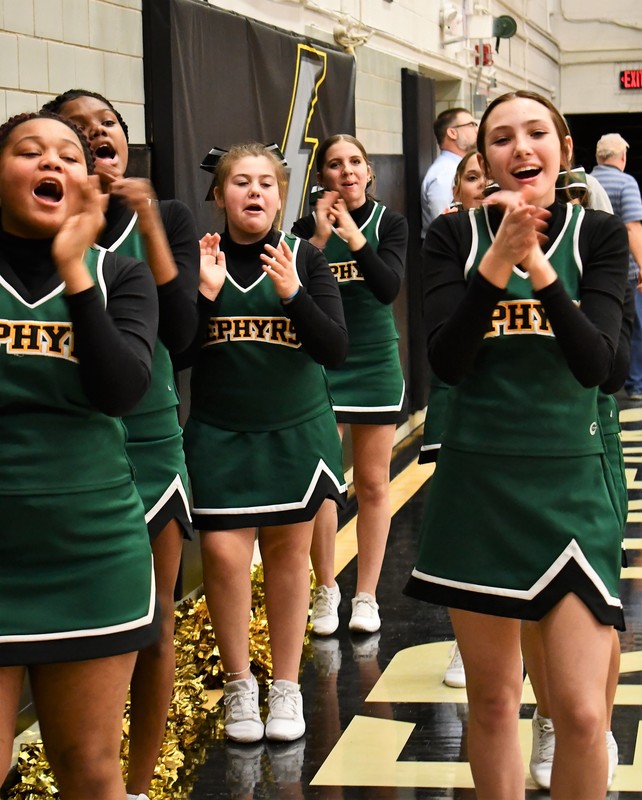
x: 576, y: 241
x: 567, y: 222
x: 115, y: 245
x: 249, y: 288
x: 571, y: 552
x: 100, y: 272
x: 141, y: 622
x: 175, y: 486
x: 474, y: 244
x: 42, y: 300
x: 374, y: 409
x: 321, y: 467
x: 426, y: 448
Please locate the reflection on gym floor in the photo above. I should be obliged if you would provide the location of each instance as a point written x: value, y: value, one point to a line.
x: 381, y: 725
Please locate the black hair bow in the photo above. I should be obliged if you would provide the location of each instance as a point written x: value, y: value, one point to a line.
x: 210, y: 163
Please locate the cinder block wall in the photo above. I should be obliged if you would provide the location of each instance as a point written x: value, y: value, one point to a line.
x: 48, y: 46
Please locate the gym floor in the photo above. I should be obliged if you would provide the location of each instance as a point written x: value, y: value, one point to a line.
x: 381, y: 725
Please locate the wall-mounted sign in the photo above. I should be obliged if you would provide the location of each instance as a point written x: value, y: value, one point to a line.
x: 631, y: 79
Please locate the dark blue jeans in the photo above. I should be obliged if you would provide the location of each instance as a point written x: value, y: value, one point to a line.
x: 633, y: 383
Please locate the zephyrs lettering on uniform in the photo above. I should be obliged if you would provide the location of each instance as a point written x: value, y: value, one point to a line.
x: 272, y: 330
x: 55, y: 339
x: 519, y: 316
x: 346, y: 271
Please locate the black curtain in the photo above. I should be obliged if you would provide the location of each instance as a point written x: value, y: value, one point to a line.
x: 214, y: 78
x: 420, y: 150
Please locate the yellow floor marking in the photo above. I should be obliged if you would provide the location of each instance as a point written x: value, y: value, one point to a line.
x: 631, y: 482
x: 414, y: 675
x: 631, y: 414
x: 632, y: 436
x: 213, y: 697
x: 351, y: 761
x: 631, y: 573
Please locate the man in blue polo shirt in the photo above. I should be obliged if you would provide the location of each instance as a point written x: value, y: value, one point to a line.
x: 624, y: 194
x: 456, y: 133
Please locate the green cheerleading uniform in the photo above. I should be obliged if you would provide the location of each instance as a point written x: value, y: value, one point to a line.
x: 369, y: 387
x: 435, y: 421
x: 154, y: 435
x: 609, y: 415
x: 522, y: 491
x: 76, y: 579
x: 261, y: 439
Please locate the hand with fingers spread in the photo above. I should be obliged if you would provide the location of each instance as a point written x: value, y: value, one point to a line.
x: 213, y: 266
x: 278, y: 262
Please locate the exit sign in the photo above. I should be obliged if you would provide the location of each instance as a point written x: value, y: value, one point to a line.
x: 631, y: 79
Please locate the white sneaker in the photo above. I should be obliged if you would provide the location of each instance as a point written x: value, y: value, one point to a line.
x: 611, y: 749
x: 365, y: 614
x: 455, y: 675
x: 365, y: 648
x: 242, y: 718
x: 285, y: 717
x: 243, y: 767
x: 543, y: 750
x: 325, y: 610
x: 326, y: 655
x: 286, y: 760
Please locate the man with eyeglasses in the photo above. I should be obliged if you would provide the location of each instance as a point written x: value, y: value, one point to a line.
x: 456, y: 131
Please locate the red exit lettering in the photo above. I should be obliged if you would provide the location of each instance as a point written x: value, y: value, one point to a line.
x: 631, y: 79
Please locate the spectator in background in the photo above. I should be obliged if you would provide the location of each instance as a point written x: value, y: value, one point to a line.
x: 624, y: 194
x: 456, y: 132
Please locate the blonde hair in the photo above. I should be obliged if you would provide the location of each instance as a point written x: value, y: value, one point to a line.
x: 255, y: 150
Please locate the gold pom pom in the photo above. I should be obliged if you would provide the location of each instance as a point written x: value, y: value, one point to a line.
x: 194, y: 717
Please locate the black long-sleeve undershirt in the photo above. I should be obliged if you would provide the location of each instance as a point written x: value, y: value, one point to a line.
x: 382, y: 269
x: 113, y: 342
x: 177, y: 299
x: 622, y: 360
x: 457, y: 312
x: 316, y: 310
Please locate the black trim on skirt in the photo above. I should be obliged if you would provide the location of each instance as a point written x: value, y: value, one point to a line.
x: 428, y: 456
x: 84, y: 648
x: 325, y: 488
x: 366, y: 417
x: 174, y: 508
x: 571, y: 579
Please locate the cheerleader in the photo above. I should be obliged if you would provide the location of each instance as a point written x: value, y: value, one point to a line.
x: 365, y: 244
x: 523, y: 310
x: 76, y: 583
x: 261, y: 441
x: 164, y: 235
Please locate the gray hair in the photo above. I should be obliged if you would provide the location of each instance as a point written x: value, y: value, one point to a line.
x: 610, y: 145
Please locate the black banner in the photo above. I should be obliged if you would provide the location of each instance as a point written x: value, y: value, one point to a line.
x: 214, y: 78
